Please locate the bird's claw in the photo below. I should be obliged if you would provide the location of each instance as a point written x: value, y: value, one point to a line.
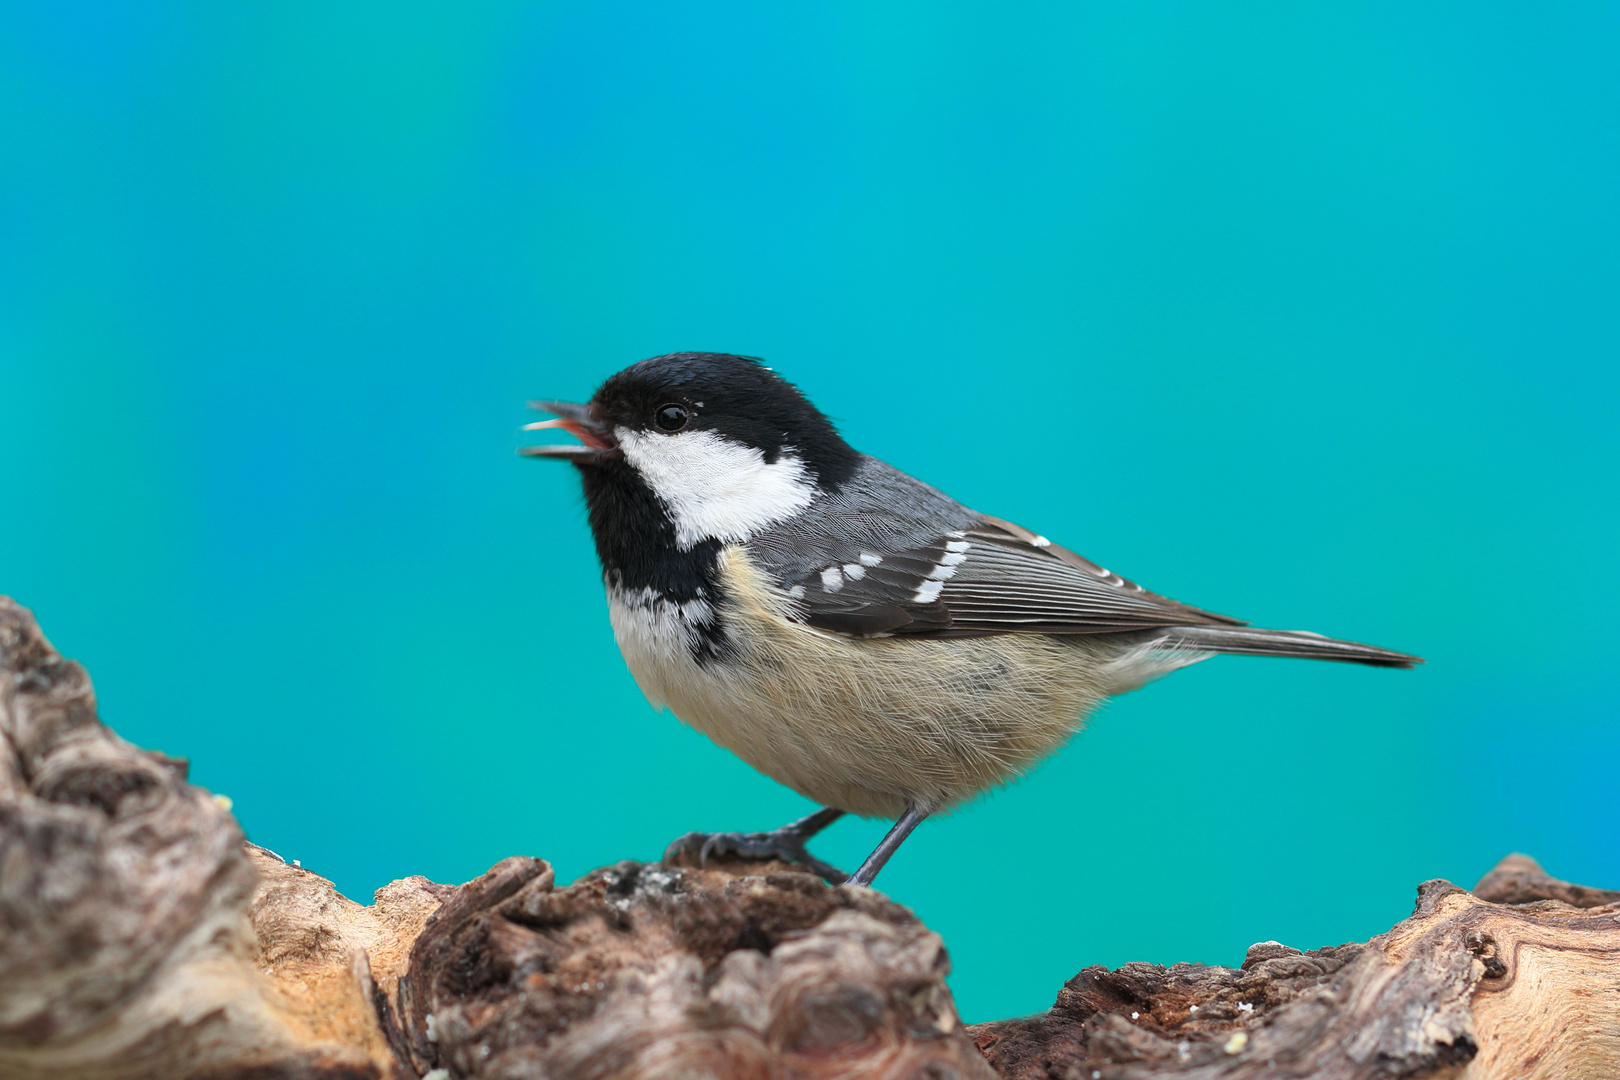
x: 784, y: 845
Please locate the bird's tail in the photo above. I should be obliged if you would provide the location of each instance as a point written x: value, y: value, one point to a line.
x: 1301, y: 643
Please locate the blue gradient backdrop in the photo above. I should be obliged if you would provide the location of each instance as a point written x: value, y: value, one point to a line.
x: 1306, y: 313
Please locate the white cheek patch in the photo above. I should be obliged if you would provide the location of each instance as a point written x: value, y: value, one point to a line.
x: 716, y: 489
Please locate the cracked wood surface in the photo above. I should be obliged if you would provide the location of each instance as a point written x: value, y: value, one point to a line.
x: 140, y: 937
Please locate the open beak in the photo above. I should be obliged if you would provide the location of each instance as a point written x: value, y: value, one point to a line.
x: 595, y: 440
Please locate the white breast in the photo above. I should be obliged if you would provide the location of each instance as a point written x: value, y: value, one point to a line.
x: 656, y: 636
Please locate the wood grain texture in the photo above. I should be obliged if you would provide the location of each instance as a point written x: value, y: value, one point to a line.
x: 653, y: 971
x: 140, y: 937
x: 1462, y: 988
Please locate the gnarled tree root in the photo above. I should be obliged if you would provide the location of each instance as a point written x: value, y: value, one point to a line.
x: 140, y: 937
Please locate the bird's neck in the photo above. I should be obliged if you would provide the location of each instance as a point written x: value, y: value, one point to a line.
x: 636, y: 540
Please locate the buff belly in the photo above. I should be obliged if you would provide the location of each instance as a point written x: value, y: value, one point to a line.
x: 874, y: 725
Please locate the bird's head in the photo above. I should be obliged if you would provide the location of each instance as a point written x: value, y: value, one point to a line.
x: 726, y: 444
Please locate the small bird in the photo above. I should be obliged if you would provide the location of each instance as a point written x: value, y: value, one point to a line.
x: 844, y: 628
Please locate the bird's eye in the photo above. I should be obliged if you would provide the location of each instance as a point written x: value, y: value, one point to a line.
x: 671, y: 417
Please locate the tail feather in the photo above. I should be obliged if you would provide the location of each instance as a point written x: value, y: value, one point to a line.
x: 1299, y: 643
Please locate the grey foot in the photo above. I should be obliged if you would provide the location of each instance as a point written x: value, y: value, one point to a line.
x: 888, y: 846
x: 786, y: 844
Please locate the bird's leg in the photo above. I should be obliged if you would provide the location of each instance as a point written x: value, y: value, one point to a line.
x: 888, y: 846
x: 786, y: 843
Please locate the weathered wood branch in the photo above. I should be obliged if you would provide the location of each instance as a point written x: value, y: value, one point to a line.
x: 141, y: 938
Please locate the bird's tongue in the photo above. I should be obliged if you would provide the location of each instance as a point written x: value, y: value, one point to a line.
x: 575, y: 428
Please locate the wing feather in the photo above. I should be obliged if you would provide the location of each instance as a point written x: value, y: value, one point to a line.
x: 990, y: 577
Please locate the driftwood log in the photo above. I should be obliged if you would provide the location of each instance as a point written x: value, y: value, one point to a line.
x: 140, y: 937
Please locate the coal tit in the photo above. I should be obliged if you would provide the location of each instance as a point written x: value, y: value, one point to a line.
x: 842, y: 627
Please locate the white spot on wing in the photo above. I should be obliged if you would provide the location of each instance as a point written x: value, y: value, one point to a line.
x: 1041, y: 541
x: 715, y: 488
x: 958, y: 545
x: 854, y: 571
x: 832, y: 579
x: 946, y: 567
x: 868, y: 559
x: 927, y: 592
x: 796, y: 593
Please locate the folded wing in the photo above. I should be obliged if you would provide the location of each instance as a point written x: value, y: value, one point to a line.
x: 989, y: 577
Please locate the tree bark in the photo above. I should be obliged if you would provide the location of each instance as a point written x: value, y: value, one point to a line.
x: 141, y: 937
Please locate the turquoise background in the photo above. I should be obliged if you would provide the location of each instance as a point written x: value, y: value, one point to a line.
x: 1304, y: 313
